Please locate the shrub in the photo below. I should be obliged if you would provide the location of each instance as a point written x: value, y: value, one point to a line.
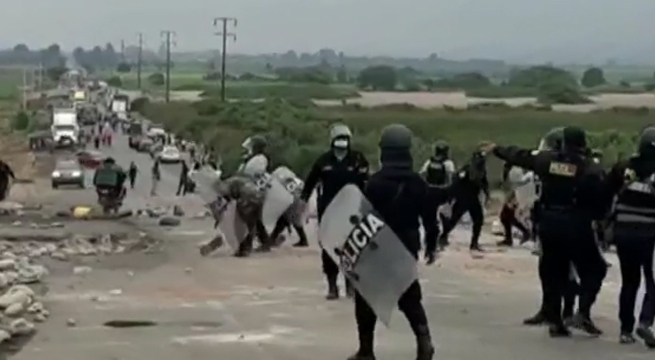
x: 21, y: 121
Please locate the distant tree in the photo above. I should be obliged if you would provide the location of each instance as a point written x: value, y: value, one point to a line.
x: 21, y: 48
x: 538, y: 76
x: 342, y: 74
x: 269, y: 67
x: 593, y: 77
x: 124, y: 68
x: 110, y: 58
x: 115, y: 81
x: 466, y: 81
x: 379, y: 77
x: 55, y: 73
x: 649, y: 87
x: 157, y: 79
x: 624, y: 84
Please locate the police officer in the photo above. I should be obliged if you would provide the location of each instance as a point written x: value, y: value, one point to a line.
x: 439, y: 171
x: 335, y: 169
x: 255, y: 163
x: 632, y: 182
x: 397, y: 177
x: 469, y: 182
x: 572, y: 196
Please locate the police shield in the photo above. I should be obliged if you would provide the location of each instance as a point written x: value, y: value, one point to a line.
x: 296, y: 213
x: 526, y: 193
x: 277, y: 200
x: 357, y: 239
x: 234, y: 229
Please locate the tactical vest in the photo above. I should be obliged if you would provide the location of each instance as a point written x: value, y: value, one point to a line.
x: 437, y: 174
x: 559, y: 182
x: 634, y: 209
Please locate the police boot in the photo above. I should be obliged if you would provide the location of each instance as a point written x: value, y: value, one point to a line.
x: 333, y: 288
x: 646, y: 334
x: 301, y: 243
x: 424, y: 347
x: 584, y: 323
x: 537, y: 319
x: 244, y: 249
x: 558, y: 330
x: 365, y: 351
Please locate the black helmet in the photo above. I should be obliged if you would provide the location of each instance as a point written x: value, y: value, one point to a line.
x: 553, y: 140
x: 256, y: 144
x: 110, y: 160
x: 396, y: 136
x: 647, y: 142
x: 441, y: 149
x: 597, y: 153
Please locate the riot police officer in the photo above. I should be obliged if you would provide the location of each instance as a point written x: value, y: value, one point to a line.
x: 572, y: 196
x: 333, y: 170
x: 469, y: 182
x: 632, y: 182
x: 439, y: 171
x: 407, y: 190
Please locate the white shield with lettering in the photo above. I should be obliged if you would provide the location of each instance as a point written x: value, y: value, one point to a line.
x: 276, y: 200
x: 369, y: 253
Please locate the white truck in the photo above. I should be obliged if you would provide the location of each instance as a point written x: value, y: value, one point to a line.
x: 65, y: 130
x: 120, y: 106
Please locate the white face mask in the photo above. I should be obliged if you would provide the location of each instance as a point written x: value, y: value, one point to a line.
x: 340, y: 143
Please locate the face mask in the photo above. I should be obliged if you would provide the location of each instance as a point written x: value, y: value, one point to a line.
x: 340, y: 143
x: 340, y: 153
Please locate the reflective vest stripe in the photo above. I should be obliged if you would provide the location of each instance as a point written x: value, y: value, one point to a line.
x: 632, y: 214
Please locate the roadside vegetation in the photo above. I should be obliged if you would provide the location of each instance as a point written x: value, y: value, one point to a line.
x: 298, y: 130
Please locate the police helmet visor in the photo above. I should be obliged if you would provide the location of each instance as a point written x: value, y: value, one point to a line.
x: 552, y: 140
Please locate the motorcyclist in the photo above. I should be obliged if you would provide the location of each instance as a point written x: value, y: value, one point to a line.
x: 110, y: 176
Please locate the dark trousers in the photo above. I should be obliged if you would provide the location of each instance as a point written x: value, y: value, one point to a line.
x: 132, y: 178
x: 283, y: 223
x: 508, y: 220
x: 258, y: 229
x: 409, y: 303
x: 471, y: 206
x: 438, y: 197
x: 568, y: 298
x: 182, y: 186
x: 330, y: 268
x: 564, y: 242
x: 636, y: 255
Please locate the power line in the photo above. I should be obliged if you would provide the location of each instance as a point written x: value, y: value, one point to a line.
x: 139, y: 61
x: 168, y: 38
x: 225, y: 34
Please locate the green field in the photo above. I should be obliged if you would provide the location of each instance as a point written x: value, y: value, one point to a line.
x: 298, y: 130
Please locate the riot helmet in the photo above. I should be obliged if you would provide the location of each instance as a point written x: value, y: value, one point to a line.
x: 395, y: 146
x: 574, y: 139
x: 255, y: 145
x: 441, y: 149
x: 597, y: 153
x: 110, y: 161
x: 553, y: 140
x: 340, y: 137
x: 646, y: 147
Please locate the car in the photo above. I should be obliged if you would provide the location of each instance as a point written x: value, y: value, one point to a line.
x: 169, y: 154
x: 144, y: 145
x: 89, y: 159
x: 67, y: 172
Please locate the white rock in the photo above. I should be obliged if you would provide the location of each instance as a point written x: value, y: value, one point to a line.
x: 116, y: 292
x: 4, y: 282
x: 40, y: 318
x: 21, y: 327
x: 17, y: 223
x: 11, y: 277
x: 4, y: 336
x: 81, y: 270
x: 17, y: 294
x: 14, y: 309
x: 7, y: 264
x: 130, y: 273
x: 58, y: 255
x: 71, y: 322
x: 188, y: 270
x: 8, y: 255
x: 36, y: 307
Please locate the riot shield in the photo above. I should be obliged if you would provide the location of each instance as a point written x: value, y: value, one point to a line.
x: 368, y: 252
x: 296, y: 213
x: 526, y: 194
x: 277, y: 200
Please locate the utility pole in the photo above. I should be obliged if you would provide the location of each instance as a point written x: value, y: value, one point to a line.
x: 225, y: 34
x: 123, y: 51
x: 139, y: 61
x: 168, y: 37
x: 24, y: 89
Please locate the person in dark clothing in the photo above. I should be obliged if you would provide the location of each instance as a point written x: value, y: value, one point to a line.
x: 469, y: 182
x: 335, y: 169
x: 182, y: 183
x: 509, y: 221
x: 572, y: 196
x: 96, y: 141
x: 282, y: 224
x: 439, y: 172
x: 131, y: 173
x: 397, y: 177
x: 632, y: 182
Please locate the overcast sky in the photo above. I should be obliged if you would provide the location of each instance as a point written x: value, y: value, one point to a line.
x: 511, y: 29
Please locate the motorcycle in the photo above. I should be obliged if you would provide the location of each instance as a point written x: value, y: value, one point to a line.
x: 109, y: 201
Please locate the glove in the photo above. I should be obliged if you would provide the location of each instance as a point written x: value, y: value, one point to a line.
x: 430, y: 257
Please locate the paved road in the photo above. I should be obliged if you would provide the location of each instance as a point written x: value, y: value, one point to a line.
x: 271, y: 306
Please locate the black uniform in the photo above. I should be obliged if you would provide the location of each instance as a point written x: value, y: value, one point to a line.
x: 469, y: 182
x: 182, y: 183
x: 439, y: 176
x: 333, y: 174
x: 411, y: 196
x: 632, y: 182
x: 132, y: 172
x: 572, y: 196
